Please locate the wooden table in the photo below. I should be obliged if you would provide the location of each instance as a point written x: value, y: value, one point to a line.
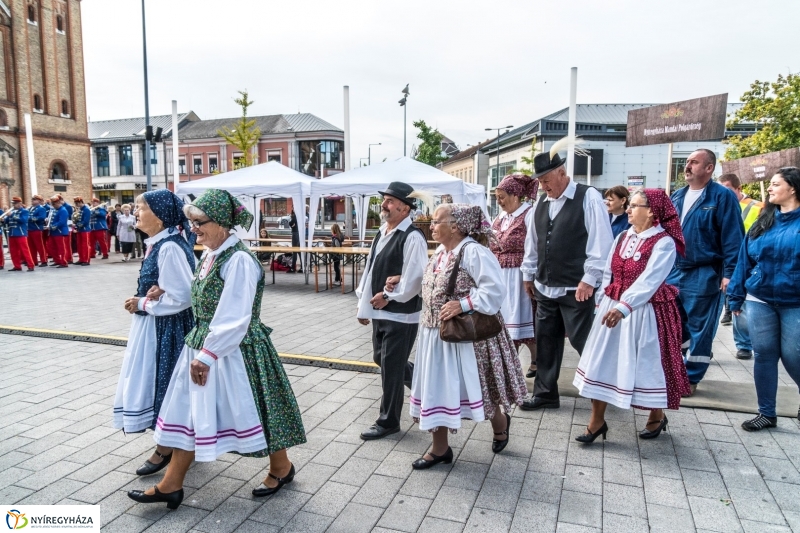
x: 320, y: 254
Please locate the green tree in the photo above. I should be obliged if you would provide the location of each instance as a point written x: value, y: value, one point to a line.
x: 528, y: 160
x: 244, y: 134
x: 430, y: 149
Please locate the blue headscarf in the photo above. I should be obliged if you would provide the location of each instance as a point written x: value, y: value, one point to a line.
x: 169, y: 209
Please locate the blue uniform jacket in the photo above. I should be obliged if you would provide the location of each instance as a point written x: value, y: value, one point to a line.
x: 619, y: 225
x: 58, y: 224
x: 713, y: 229
x: 84, y: 225
x: 769, y: 266
x: 98, y: 221
x: 38, y: 214
x: 17, y: 223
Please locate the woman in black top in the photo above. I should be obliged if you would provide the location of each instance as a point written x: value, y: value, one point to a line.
x: 336, y: 242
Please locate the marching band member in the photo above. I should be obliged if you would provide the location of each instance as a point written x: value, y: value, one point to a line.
x: 99, y: 229
x: 16, y: 222
x: 82, y: 218
x: 59, y: 233
x: 36, y: 220
x: 2, y: 253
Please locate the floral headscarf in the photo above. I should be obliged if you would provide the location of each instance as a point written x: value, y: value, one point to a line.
x: 520, y: 185
x: 470, y: 220
x: 224, y: 209
x: 169, y: 210
x: 664, y: 213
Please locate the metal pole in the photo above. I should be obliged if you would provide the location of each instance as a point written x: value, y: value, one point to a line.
x: 175, y: 154
x: 497, y: 162
x: 589, y: 170
x: 369, y: 154
x: 405, y: 123
x: 34, y: 189
x: 348, y: 202
x: 148, y: 170
x: 573, y: 111
x: 669, y: 169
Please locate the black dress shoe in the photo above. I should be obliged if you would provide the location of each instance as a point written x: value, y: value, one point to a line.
x: 531, y: 373
x: 500, y: 445
x: 42, y: 264
x: 263, y: 490
x: 377, y: 432
x: 15, y: 270
x: 422, y: 463
x: 647, y: 434
x: 535, y: 402
x: 151, y: 468
x: 173, y: 499
x: 744, y: 354
x: 590, y: 437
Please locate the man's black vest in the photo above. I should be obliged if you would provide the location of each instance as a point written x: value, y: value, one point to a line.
x: 562, y: 242
x: 390, y: 263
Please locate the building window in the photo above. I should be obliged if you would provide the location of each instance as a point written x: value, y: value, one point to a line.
x: 3, y: 120
x: 37, y: 104
x: 64, y: 109
x: 60, y: 24
x: 238, y: 159
x: 126, y: 160
x: 58, y: 172
x: 153, y: 157
x: 127, y: 197
x: 274, y: 155
x: 275, y: 207
x: 101, y: 154
x: 314, y: 153
x: 677, y: 173
x: 505, y: 169
x: 213, y: 166
x: 181, y: 165
x: 197, y: 164
x: 105, y: 197
x: 32, y: 15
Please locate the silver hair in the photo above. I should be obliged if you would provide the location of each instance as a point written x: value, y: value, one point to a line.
x: 192, y: 211
x: 140, y: 200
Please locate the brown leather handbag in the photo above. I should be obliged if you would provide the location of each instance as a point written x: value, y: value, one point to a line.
x: 467, y: 327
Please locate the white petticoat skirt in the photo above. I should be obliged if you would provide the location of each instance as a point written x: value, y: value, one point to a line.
x: 133, y: 403
x: 517, y: 309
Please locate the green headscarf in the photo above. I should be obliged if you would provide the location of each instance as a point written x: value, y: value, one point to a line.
x: 224, y: 209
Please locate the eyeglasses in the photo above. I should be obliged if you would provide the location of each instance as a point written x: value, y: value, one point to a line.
x: 197, y: 223
x: 437, y: 222
x: 638, y: 205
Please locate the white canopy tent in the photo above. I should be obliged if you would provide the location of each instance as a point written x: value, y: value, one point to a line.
x: 364, y: 182
x: 250, y: 184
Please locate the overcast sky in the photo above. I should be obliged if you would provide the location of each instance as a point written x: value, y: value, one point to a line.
x: 470, y: 64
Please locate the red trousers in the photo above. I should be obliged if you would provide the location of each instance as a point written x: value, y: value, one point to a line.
x: 60, y: 249
x: 45, y: 238
x: 2, y: 252
x: 36, y: 245
x: 98, y: 237
x: 18, y: 246
x: 82, y: 240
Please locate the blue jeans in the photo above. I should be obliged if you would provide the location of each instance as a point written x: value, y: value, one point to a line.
x: 741, y: 331
x: 773, y: 331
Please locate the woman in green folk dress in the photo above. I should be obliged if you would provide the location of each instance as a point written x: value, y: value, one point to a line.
x: 229, y: 392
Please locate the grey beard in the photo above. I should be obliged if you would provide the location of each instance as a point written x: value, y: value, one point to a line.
x: 384, y: 215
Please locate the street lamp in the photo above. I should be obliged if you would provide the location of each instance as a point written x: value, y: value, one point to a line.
x: 369, y: 152
x: 497, y: 165
x: 402, y: 103
x: 148, y: 170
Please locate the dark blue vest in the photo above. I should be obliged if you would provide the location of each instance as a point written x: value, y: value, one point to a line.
x: 148, y: 273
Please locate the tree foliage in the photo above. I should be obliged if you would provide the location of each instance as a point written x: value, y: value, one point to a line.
x: 244, y: 134
x: 528, y: 160
x: 775, y: 108
x: 430, y: 149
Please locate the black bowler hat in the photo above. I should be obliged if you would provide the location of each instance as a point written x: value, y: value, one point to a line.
x: 544, y: 163
x: 400, y: 190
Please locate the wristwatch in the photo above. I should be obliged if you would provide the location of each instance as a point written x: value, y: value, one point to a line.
x: 385, y: 296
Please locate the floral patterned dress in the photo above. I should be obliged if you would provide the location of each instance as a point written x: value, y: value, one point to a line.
x: 453, y: 381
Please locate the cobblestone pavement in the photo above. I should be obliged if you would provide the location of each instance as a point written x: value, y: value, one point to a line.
x: 57, y: 444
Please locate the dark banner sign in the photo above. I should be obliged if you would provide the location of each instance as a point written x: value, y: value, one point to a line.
x: 762, y: 167
x: 701, y: 119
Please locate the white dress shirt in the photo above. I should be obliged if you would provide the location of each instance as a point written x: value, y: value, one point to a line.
x: 507, y: 218
x: 598, y: 243
x: 415, y: 258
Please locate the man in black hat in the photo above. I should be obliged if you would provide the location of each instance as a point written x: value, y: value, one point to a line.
x: 565, y: 253
x: 400, y: 249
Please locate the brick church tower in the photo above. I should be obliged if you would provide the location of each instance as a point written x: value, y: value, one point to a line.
x: 41, y: 73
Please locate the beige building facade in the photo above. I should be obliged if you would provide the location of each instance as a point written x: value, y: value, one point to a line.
x: 41, y: 74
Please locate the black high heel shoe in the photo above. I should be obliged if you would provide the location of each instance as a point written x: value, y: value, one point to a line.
x: 531, y: 373
x: 422, y: 463
x: 151, y: 468
x: 172, y: 499
x: 263, y: 490
x: 647, y: 434
x: 590, y: 437
x: 499, y: 445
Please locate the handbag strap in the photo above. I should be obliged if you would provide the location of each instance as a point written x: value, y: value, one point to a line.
x: 451, y: 284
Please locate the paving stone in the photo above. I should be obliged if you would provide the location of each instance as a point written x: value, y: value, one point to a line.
x: 98, y: 468
x: 542, y: 487
x: 487, y: 520
x: 14, y: 494
x: 304, y: 522
x: 251, y: 526
x: 181, y: 519
x: 355, y: 471
x: 280, y: 508
x: 583, y: 479
x: 664, y: 491
x: 335, y: 454
x: 704, y: 484
x: 375, y: 450
x: 548, y: 461
x: 714, y: 515
x: 111, y: 507
x: 127, y: 524
x: 397, y: 464
x: 761, y: 527
x: 727, y: 452
x: 379, y: 491
x: 623, y: 524
x: 405, y: 513
x: 508, y: 468
x: 758, y: 506
x: 772, y: 469
x: 201, y: 473
x: 564, y: 527
x: 581, y: 508
x: 720, y: 433
x: 552, y: 440
x: 453, y: 504
x: 534, y: 517
x: 12, y: 475
x: 437, y: 525
x: 476, y: 451
x: 54, y: 492
x: 499, y: 495
x: 736, y: 475
x: 356, y: 518
x: 214, y: 493
x: 661, y: 466
x: 664, y: 519
x: 102, y: 487
x: 622, y: 472
x: 785, y: 494
x: 331, y: 499
x: 47, y: 475
x: 624, y: 500
x: 695, y: 459
x: 583, y: 455
x: 228, y: 516
x: 466, y: 475
x: 425, y: 483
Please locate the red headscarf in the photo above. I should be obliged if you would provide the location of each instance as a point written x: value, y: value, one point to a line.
x: 520, y: 185
x: 664, y: 213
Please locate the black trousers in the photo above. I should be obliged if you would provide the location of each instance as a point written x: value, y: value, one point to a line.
x: 554, y: 318
x: 391, y: 343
